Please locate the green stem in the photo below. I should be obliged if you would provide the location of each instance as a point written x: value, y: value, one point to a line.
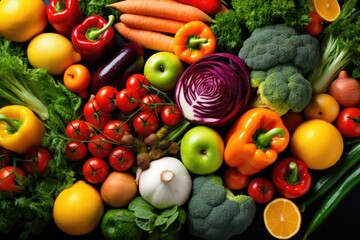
x: 60, y: 6
x: 13, y: 125
x: 94, y: 34
x: 195, y: 43
x: 292, y: 177
x: 265, y: 138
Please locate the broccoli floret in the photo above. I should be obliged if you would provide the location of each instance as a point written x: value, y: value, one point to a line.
x: 279, y: 44
x: 281, y: 88
x: 214, y: 212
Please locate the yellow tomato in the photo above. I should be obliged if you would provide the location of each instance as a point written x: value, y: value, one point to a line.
x: 322, y: 106
x: 318, y: 143
x: 21, y: 20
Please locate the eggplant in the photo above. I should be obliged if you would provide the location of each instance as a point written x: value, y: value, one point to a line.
x: 114, y: 72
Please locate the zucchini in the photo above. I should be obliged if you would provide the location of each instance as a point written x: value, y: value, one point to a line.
x: 331, y: 176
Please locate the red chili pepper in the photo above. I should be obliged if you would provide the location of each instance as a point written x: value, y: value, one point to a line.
x: 208, y: 6
x: 94, y: 39
x: 64, y: 15
x: 291, y: 177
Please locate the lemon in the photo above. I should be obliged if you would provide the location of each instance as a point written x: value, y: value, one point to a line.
x: 78, y: 209
x: 52, y: 52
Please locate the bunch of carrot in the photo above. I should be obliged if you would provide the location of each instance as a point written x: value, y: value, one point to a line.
x: 153, y: 23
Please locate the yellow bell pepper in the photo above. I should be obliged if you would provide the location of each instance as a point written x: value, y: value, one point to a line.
x: 20, y: 129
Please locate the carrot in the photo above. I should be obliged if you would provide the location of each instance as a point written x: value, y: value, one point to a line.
x: 162, y: 9
x: 151, y: 23
x: 148, y: 39
x: 223, y: 8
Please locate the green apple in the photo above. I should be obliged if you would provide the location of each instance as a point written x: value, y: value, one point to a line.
x: 120, y: 224
x: 202, y: 150
x: 163, y: 70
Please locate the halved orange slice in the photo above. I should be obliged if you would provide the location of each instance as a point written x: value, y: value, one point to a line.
x: 328, y: 10
x: 282, y: 218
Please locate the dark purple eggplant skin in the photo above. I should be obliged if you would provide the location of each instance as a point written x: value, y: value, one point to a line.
x: 126, y: 62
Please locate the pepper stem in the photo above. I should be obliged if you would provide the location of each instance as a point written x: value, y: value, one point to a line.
x: 13, y: 125
x: 264, y: 138
x: 292, y: 176
x: 60, y: 6
x: 195, y: 43
x: 94, y: 34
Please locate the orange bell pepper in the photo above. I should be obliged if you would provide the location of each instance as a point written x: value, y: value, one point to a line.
x: 20, y: 129
x: 255, y: 140
x: 193, y: 41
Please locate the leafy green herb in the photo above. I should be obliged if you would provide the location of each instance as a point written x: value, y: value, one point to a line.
x: 158, y: 223
x: 99, y: 7
x: 36, y: 89
x: 259, y: 13
x: 29, y: 213
x: 232, y: 27
x: 228, y: 29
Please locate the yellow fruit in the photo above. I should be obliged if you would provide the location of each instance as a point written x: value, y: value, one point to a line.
x: 328, y: 10
x: 318, y: 143
x: 21, y: 20
x: 52, y: 52
x: 282, y: 218
x: 78, y: 209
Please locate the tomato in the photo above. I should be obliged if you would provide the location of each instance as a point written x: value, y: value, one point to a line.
x: 78, y: 130
x: 235, y: 180
x: 115, y: 130
x: 106, y: 98
x: 95, y: 170
x: 348, y: 122
x: 151, y: 103
x: 145, y: 123
x: 171, y: 115
x: 99, y: 147
x: 75, y: 150
x: 138, y: 82
x: 37, y: 160
x: 315, y: 26
x: 5, y: 157
x: 121, y: 158
x: 95, y: 115
x: 127, y: 99
x: 292, y: 120
x: 12, y: 179
x: 261, y: 189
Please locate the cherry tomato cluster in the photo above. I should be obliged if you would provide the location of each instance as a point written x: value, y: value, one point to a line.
x: 14, y: 168
x: 138, y: 109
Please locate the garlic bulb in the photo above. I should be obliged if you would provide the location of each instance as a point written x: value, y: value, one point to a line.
x: 165, y: 183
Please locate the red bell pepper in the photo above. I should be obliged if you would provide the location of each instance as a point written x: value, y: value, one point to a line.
x: 64, y: 15
x: 94, y: 39
x: 291, y: 177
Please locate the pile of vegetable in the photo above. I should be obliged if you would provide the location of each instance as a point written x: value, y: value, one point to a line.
x: 177, y: 118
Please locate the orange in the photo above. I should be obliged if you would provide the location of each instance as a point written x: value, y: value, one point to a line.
x: 282, y: 218
x: 78, y: 209
x: 318, y: 143
x: 328, y: 10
